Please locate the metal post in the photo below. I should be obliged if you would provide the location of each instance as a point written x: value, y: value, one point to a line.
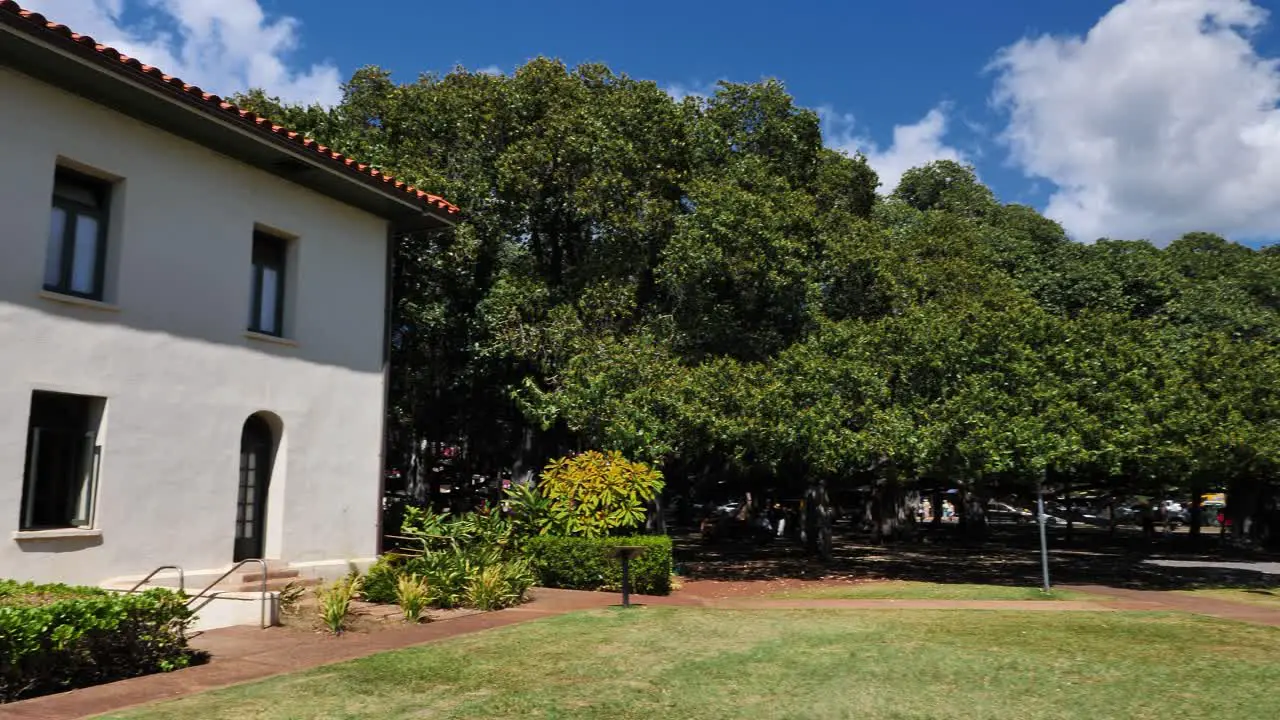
x: 626, y: 580
x: 1044, y: 543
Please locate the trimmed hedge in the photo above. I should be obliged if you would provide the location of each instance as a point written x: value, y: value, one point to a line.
x: 58, y: 637
x: 578, y: 563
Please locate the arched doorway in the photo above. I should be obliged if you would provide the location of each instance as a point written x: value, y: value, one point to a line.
x: 257, y: 454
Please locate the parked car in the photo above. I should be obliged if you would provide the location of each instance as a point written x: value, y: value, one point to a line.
x: 1004, y: 512
x: 1063, y: 512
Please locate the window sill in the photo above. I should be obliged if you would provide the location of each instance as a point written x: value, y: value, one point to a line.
x: 273, y: 339
x: 57, y: 534
x: 78, y: 301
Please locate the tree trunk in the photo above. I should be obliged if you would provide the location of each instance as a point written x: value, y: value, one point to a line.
x: 656, y: 523
x: 1066, y: 502
x: 1197, y: 509
x: 893, y: 515
x: 974, y: 517
x: 817, y: 520
x: 525, y: 465
x: 937, y: 508
x: 1241, y: 505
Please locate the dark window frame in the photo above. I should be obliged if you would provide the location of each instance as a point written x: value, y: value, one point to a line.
x: 77, y: 492
x: 269, y: 252
x: 101, y: 190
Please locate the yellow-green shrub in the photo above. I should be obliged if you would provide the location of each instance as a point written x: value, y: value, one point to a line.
x: 594, y: 493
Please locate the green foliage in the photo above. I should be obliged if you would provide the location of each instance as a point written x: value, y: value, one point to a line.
x: 290, y: 595
x: 335, y: 601
x: 462, y: 557
x: 594, y: 493
x: 500, y: 585
x: 413, y: 596
x: 581, y: 563
x: 705, y: 284
x: 446, y: 573
x: 442, y: 531
x: 529, y: 510
x: 380, y: 581
x: 487, y: 589
x: 57, y: 637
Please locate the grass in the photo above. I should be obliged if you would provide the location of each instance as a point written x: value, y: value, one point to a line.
x: 910, y: 590
x: 1266, y: 597
x: 705, y: 664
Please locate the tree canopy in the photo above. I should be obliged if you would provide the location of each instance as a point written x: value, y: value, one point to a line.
x: 703, y: 284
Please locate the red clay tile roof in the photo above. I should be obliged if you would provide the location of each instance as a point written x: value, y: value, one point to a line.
x: 220, y: 107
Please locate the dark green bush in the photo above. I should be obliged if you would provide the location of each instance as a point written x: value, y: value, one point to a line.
x: 380, y: 581
x: 55, y: 637
x: 578, y: 563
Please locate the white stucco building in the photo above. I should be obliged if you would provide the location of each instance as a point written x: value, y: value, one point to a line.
x: 192, y: 324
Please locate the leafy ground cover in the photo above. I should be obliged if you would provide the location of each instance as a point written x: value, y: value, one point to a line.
x: 694, y: 663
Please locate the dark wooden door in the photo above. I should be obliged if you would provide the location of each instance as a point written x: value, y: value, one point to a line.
x: 256, y: 446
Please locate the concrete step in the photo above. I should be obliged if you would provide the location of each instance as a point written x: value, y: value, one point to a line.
x: 272, y: 574
x: 273, y: 584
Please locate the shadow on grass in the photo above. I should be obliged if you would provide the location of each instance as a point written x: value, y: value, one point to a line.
x: 1009, y: 556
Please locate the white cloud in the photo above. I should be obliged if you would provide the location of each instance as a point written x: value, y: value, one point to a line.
x: 912, y: 146
x: 490, y: 70
x: 680, y: 91
x: 1161, y: 120
x: 224, y: 46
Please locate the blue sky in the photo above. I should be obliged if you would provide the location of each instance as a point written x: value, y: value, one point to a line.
x: 1142, y: 118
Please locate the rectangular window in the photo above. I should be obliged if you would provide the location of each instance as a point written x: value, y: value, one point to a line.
x: 77, y: 248
x: 266, y: 310
x: 62, y: 461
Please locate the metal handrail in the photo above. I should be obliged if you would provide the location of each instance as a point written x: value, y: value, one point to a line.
x: 225, y: 575
x: 182, y: 583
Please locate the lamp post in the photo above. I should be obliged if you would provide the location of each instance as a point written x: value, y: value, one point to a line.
x: 1044, y: 543
x: 625, y: 553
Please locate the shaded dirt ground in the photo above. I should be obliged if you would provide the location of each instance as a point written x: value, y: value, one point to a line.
x: 1009, y: 556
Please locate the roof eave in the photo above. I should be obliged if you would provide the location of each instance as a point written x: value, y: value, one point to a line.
x: 82, y: 70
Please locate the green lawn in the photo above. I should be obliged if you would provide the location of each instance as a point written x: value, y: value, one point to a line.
x: 1268, y: 597
x: 766, y: 665
x: 910, y: 590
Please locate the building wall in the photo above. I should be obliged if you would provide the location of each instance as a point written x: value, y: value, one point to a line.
x: 169, y: 351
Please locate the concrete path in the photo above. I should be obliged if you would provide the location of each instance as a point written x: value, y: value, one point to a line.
x: 1265, y: 568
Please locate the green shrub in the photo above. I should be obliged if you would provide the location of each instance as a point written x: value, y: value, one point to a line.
x: 455, y: 561
x: 520, y: 577
x: 335, y: 602
x: 57, y: 637
x: 380, y: 582
x: 499, y: 585
x: 412, y: 595
x: 488, y: 589
x: 579, y: 563
x: 593, y: 493
x: 467, y: 531
x: 446, y: 573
